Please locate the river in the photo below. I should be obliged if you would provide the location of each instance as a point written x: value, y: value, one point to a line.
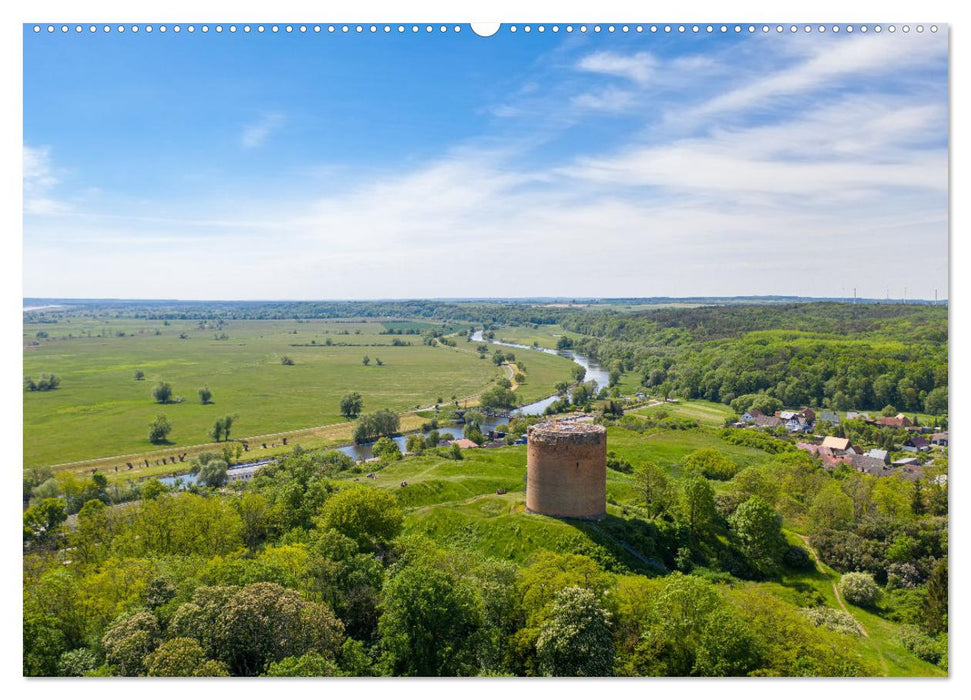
x: 595, y: 373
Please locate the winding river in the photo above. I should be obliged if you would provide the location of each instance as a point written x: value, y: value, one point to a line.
x: 595, y: 373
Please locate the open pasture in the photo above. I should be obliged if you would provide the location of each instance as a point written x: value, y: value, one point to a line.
x: 100, y: 408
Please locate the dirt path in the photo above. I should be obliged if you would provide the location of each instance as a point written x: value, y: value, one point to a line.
x: 836, y: 590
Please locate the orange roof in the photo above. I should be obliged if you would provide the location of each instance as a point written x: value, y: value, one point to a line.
x: 836, y: 443
x: 464, y: 443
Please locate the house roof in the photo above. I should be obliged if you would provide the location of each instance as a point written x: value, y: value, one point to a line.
x: 939, y: 436
x: 879, y: 454
x: 918, y: 441
x: 869, y: 465
x: 836, y: 443
x: 830, y: 416
x: 768, y: 421
x: 464, y: 443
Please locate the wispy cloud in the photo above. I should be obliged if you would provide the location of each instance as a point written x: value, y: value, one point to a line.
x: 40, y: 178
x: 256, y: 133
x: 638, y: 67
x: 608, y: 100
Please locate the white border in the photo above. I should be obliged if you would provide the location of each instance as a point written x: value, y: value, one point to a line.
x: 438, y: 11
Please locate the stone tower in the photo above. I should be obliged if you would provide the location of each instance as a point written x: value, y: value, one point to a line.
x: 566, y: 470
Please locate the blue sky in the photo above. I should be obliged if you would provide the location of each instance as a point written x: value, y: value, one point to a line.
x: 312, y: 166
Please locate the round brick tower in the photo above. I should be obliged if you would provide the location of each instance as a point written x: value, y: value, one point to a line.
x: 566, y: 470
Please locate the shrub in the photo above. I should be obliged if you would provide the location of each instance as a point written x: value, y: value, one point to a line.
x: 859, y: 589
x: 711, y: 463
x: 833, y: 620
x: 923, y: 646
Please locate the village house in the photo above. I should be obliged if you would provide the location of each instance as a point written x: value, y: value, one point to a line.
x: 855, y: 415
x: 464, y: 443
x: 768, y: 422
x: 828, y: 417
x: 869, y: 465
x: 919, y: 443
x: 898, y: 421
x: 882, y: 455
x: 939, y: 439
x: 836, y: 443
x: 750, y: 416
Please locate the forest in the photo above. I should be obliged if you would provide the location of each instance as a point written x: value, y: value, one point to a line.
x: 843, y: 356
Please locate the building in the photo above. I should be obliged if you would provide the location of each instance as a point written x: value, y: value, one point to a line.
x: 566, y: 470
x: 829, y: 417
x: 869, y: 465
x: 939, y: 439
x: 464, y: 443
x: 768, y: 422
x: 882, y: 455
x: 898, y: 421
x: 836, y: 443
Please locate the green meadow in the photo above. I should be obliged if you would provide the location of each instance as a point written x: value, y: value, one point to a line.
x: 100, y: 409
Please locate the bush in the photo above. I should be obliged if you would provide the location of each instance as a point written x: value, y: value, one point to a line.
x: 711, y: 463
x: 833, y: 620
x: 859, y: 589
x: 923, y: 646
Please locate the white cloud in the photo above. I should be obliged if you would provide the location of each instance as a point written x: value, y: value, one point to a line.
x: 256, y: 133
x: 638, y: 67
x: 608, y: 100
x: 828, y: 62
x: 40, y: 177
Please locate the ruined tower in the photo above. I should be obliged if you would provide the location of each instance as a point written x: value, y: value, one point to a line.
x: 566, y: 470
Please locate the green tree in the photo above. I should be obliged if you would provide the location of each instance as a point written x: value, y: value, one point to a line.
x: 497, y: 397
x: 221, y: 428
x: 152, y: 489
x: 758, y: 529
x: 182, y: 657
x: 935, y: 402
x: 415, y: 444
x: 831, y: 509
x: 44, y: 643
x: 351, y: 405
x: 369, y: 516
x: 430, y: 624
x: 139, y: 375
x: 129, y: 640
x: 76, y: 663
x: 366, y: 361
x: 213, y: 473
x: 888, y: 411
x: 264, y: 622
x: 286, y: 360
x: 205, y: 395
x: 697, y: 506
x: 576, y: 639
x: 654, y: 488
x: 387, y: 449
x: 162, y: 392
x: 310, y: 665
x: 934, y: 609
x: 158, y: 431
x: 43, y: 521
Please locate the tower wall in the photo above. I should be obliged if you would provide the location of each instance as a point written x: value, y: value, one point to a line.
x: 566, y: 470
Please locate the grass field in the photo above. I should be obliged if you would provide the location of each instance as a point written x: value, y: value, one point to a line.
x: 545, y: 335
x: 101, y: 410
x: 705, y: 412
